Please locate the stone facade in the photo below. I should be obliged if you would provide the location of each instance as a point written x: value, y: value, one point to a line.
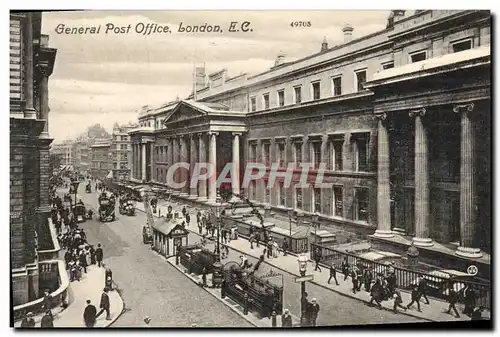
x: 122, y: 152
x: 31, y: 63
x: 102, y: 161
x: 378, y: 111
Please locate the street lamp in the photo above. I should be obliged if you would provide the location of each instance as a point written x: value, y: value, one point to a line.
x: 75, y: 190
x: 302, y: 260
x: 315, y: 223
x: 217, y: 212
x: 290, y: 215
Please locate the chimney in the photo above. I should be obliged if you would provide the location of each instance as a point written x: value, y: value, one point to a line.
x: 398, y: 14
x: 324, y: 45
x: 347, y: 30
x: 280, y: 59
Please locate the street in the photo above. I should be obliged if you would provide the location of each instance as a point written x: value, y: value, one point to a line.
x: 152, y: 287
x: 149, y: 285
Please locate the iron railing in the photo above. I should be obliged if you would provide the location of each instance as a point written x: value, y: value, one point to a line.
x: 406, y: 278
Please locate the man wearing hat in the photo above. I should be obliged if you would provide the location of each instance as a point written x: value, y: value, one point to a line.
x: 89, y: 315
x: 28, y: 321
x: 313, y: 312
x: 47, y: 320
x: 286, y: 319
x: 104, y: 304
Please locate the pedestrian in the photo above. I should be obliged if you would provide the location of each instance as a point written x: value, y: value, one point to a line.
x: 422, y: 288
x: 345, y: 268
x: 47, y: 320
x: 89, y: 315
x: 304, y: 305
x: 188, y: 218
x: 83, y: 261
x: 414, y: 298
x: 28, y: 321
x: 204, y: 277
x: 469, y: 300
x: 313, y: 312
x: 98, y: 255
x: 257, y: 239
x: 251, y: 240
x: 92, y: 254
x: 275, y: 249
x: 367, y: 279
x: 333, y: 274
x: 376, y: 294
x: 184, y: 211
x: 47, y: 300
x: 269, y: 249
x: 452, y: 300
x: 354, y: 278
x: 317, y: 259
x: 104, y: 305
x: 398, y: 301
x: 286, y: 319
x: 285, y: 247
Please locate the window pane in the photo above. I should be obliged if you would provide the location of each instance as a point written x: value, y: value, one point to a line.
x: 337, y: 86
x: 298, y: 94
x: 316, y: 90
x: 417, y: 57
x: 298, y: 198
x: 338, y: 203
x: 362, y: 157
x: 298, y: 153
x: 338, y: 155
x: 361, y: 79
x: 362, y: 204
x: 266, y: 101
x: 317, y: 154
x: 317, y: 200
x: 281, y: 98
x: 461, y: 46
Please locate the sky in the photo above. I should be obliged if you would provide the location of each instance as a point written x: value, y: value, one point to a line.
x: 106, y: 78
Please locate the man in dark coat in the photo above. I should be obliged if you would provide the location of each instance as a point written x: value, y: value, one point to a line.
x: 422, y: 288
x: 99, y: 255
x: 104, y: 305
x: 47, y: 320
x: 28, y: 321
x: 89, y: 315
x: 452, y: 299
x: 313, y: 312
x: 304, y: 307
x: 345, y: 268
x: 47, y: 300
x: 469, y: 300
x: 286, y: 319
x: 414, y: 298
x: 367, y: 279
x: 333, y: 274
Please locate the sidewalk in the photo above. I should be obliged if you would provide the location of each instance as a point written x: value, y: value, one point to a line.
x: 90, y: 287
x: 436, y: 311
x: 252, y: 318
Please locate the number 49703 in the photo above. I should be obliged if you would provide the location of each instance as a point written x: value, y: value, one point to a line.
x: 301, y: 24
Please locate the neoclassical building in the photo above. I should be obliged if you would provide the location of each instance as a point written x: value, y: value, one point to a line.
x: 400, y: 119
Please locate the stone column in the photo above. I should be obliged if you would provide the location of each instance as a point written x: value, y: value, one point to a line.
x: 421, y: 181
x: 236, y: 164
x: 193, y: 190
x: 468, y: 208
x: 202, y: 155
x: 134, y: 159
x: 143, y: 162
x: 212, y: 154
x: 175, y: 159
x: 184, y: 174
x: 152, y: 161
x: 169, y: 159
x: 44, y: 98
x: 383, y: 181
x: 29, y: 110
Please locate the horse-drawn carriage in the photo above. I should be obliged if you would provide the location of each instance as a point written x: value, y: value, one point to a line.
x: 80, y: 212
x: 106, y: 207
x: 127, y: 207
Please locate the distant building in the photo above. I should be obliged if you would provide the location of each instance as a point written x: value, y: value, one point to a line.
x: 64, y: 151
x: 121, y: 150
x: 81, y: 160
x: 101, y: 158
x: 33, y: 242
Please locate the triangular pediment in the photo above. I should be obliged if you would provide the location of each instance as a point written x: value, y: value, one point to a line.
x: 185, y: 110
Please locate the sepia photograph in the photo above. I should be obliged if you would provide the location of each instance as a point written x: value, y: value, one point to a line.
x: 250, y: 169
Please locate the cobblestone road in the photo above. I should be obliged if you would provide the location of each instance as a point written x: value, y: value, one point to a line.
x: 149, y: 285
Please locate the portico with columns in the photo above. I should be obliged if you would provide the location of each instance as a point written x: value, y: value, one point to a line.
x: 195, y: 133
x: 433, y: 176
x: 142, y: 140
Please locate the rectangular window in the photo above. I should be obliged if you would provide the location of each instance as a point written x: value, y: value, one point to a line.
x: 253, y: 153
x: 298, y: 153
x: 335, y: 152
x: 253, y: 104
x: 281, y: 98
x: 361, y: 153
x: 316, y: 152
x: 253, y: 190
x: 282, y: 194
x: 418, y: 56
x: 317, y: 200
x: 337, y: 86
x: 338, y: 202
x: 267, y: 154
x: 316, y: 90
x: 360, y: 79
x: 461, y: 45
x: 266, y: 101
x: 298, y: 94
x: 298, y: 198
x: 268, y: 195
x: 361, y: 195
x: 388, y: 65
x: 280, y: 154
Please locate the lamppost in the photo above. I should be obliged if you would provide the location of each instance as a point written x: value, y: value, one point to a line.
x: 217, y: 213
x: 315, y: 224
x: 75, y: 190
x: 290, y: 215
x: 302, y: 260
